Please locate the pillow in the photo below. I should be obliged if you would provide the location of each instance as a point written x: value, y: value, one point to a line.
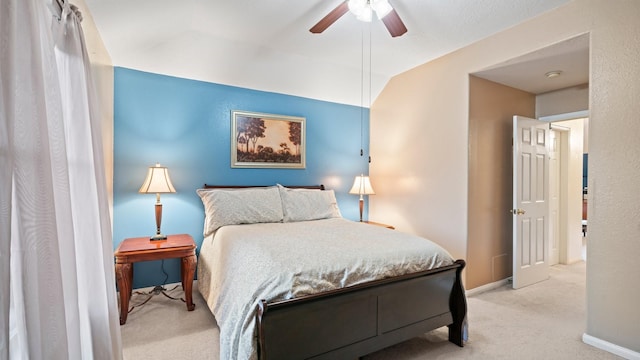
x: 307, y: 204
x: 240, y: 206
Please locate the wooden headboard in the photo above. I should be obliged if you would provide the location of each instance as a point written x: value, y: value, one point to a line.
x: 312, y: 187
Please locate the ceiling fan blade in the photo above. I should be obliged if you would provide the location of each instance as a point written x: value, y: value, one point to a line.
x: 331, y: 17
x: 394, y: 24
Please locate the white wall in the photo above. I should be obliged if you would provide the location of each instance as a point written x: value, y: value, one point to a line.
x: 419, y: 145
x: 563, y: 101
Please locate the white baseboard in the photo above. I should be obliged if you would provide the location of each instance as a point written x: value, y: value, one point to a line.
x: 609, y: 347
x: 484, y: 288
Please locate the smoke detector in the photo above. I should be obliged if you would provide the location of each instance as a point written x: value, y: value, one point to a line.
x: 554, y: 73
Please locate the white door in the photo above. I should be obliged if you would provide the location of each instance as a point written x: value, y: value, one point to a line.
x: 530, y: 201
x: 555, y: 225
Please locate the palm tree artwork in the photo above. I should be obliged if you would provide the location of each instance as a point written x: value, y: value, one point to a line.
x: 268, y: 140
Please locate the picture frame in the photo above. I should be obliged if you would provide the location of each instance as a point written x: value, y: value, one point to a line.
x: 260, y: 140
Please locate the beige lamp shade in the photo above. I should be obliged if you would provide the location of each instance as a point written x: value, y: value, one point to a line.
x: 362, y: 186
x: 157, y: 181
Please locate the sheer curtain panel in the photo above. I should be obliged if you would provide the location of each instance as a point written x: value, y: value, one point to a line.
x: 57, y: 286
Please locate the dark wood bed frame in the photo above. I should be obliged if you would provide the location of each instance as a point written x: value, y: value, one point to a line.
x: 354, y: 321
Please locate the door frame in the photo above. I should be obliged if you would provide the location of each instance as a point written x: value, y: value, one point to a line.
x: 563, y: 134
x: 566, y: 116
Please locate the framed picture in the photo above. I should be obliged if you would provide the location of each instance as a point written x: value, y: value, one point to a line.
x: 267, y: 141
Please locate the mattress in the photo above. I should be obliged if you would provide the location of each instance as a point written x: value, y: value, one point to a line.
x: 239, y: 265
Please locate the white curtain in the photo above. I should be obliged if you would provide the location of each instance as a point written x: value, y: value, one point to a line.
x: 57, y: 287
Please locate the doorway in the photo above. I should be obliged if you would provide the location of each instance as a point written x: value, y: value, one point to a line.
x: 517, y: 86
x: 567, y: 147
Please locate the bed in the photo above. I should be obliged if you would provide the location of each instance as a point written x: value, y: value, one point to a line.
x: 288, y: 278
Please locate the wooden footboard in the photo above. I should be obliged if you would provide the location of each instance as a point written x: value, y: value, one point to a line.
x: 355, y: 321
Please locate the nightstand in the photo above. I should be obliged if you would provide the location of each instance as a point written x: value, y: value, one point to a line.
x: 379, y: 224
x: 132, y: 250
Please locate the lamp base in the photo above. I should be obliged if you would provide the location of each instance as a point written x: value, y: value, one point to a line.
x: 158, y: 237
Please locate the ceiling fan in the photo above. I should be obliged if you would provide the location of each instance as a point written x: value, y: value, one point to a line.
x: 364, y: 9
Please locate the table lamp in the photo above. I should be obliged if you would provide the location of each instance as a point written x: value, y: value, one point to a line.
x: 362, y: 186
x: 157, y: 182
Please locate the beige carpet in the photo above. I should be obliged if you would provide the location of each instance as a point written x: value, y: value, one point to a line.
x: 542, y: 321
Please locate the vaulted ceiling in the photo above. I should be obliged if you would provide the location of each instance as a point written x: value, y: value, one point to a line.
x: 266, y: 44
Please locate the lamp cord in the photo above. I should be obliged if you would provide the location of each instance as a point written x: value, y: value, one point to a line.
x: 362, y: 92
x: 370, y: 81
x: 166, y: 276
x: 362, y: 63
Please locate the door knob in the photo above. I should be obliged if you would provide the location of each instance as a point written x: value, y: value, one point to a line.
x: 517, y: 211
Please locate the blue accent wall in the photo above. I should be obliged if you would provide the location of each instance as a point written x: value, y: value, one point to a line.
x: 185, y: 125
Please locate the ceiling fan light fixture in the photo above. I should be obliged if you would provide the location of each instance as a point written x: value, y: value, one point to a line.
x: 357, y: 6
x: 363, y: 9
x: 381, y: 7
x: 366, y: 15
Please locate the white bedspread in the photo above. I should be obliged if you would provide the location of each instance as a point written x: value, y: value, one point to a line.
x: 241, y: 264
